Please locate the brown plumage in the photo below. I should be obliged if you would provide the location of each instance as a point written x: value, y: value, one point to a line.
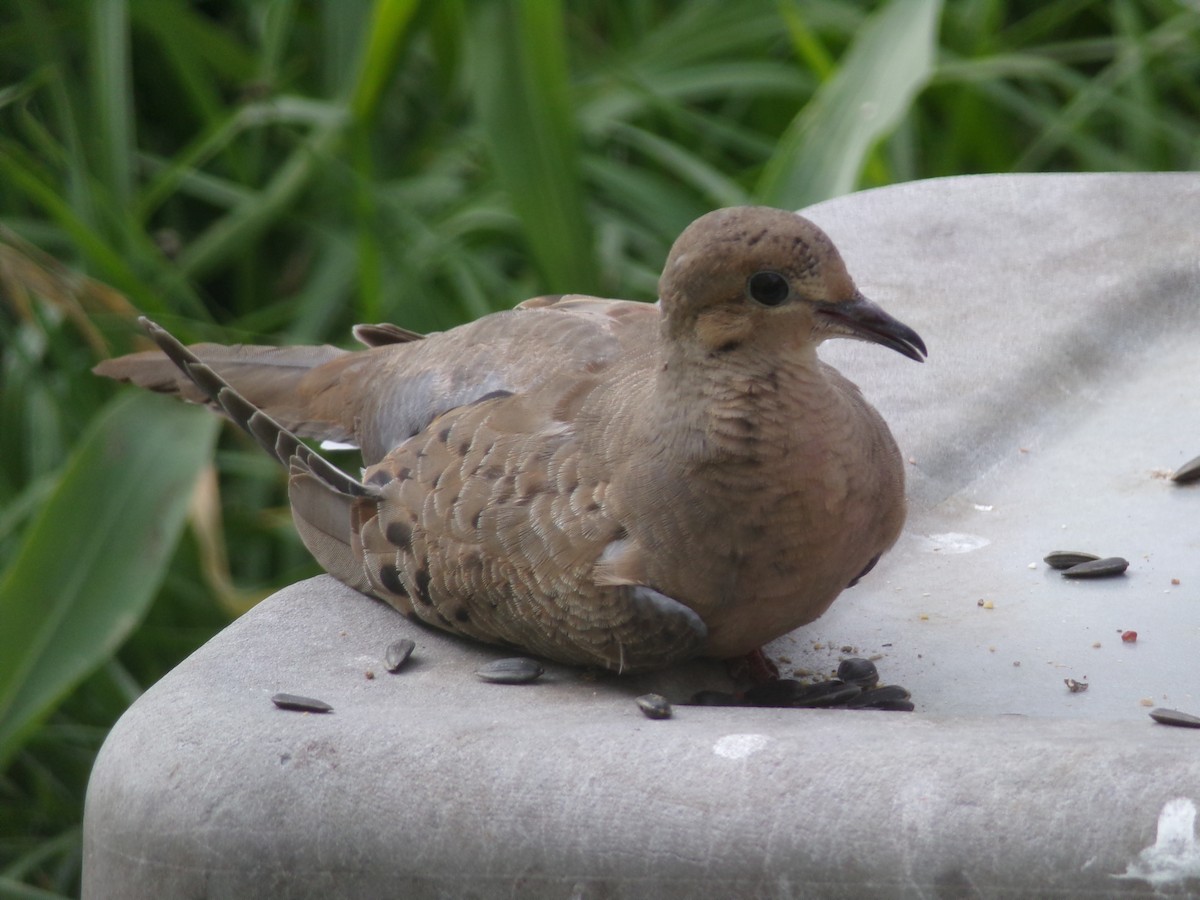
x: 594, y: 481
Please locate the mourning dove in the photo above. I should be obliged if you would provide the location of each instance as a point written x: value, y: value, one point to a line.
x: 600, y: 482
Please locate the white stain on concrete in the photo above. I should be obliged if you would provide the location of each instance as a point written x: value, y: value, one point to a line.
x: 739, y: 746
x: 1174, y: 856
x: 954, y: 542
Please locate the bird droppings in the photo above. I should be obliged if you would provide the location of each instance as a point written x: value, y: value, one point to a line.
x: 740, y: 746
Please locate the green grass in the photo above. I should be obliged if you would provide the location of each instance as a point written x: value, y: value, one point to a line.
x: 272, y: 170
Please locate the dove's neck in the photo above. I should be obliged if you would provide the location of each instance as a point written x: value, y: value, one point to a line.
x: 740, y: 408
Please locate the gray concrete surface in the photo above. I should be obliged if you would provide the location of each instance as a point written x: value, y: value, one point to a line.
x: 1062, y: 315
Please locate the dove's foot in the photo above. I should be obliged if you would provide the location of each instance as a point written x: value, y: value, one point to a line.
x: 855, y: 687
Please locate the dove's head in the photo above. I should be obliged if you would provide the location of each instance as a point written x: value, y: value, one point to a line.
x: 756, y: 277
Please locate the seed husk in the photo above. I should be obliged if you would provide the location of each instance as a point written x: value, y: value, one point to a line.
x: 296, y: 703
x: 825, y: 694
x: 892, y: 697
x: 398, y: 653
x: 1075, y: 687
x: 1188, y: 472
x: 1175, y: 717
x: 654, y: 706
x: 516, y: 670
x: 1064, y: 559
x: 1098, y: 568
x: 861, y: 672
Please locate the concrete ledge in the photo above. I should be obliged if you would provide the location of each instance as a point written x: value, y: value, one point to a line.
x: 432, y: 783
x: 1062, y: 314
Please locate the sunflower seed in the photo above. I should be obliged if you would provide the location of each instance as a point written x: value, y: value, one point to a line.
x: 517, y: 670
x: 825, y: 694
x: 891, y: 696
x: 858, y: 671
x: 655, y: 706
x: 1188, y: 472
x: 301, y: 704
x: 1064, y: 559
x: 1175, y: 717
x: 1097, y: 568
x: 398, y: 653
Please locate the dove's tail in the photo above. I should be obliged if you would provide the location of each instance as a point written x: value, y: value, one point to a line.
x: 290, y: 384
x: 322, y: 495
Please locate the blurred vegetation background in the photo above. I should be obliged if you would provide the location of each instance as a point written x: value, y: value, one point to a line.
x: 276, y: 170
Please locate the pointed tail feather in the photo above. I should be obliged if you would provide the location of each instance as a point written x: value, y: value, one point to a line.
x: 322, y: 495
x: 272, y: 378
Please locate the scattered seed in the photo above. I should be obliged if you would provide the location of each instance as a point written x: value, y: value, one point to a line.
x: 654, y: 706
x: 891, y: 697
x: 1095, y: 645
x: 824, y: 694
x: 1146, y: 701
x: 1075, y: 687
x: 370, y: 673
x: 398, y: 653
x: 861, y: 672
x: 1129, y: 637
x: 1175, y: 717
x: 517, y: 670
x: 1175, y: 581
x: 1098, y: 568
x: 1188, y: 472
x: 301, y: 704
x: 1064, y: 559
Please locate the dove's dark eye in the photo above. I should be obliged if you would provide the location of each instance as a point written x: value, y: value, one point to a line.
x: 768, y: 288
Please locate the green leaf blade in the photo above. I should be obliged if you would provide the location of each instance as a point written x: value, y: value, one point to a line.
x: 91, y: 562
x: 824, y: 149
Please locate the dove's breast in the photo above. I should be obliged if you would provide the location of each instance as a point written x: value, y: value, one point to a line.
x: 761, y: 514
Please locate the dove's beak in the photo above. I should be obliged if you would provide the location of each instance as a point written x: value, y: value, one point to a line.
x: 862, y: 319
